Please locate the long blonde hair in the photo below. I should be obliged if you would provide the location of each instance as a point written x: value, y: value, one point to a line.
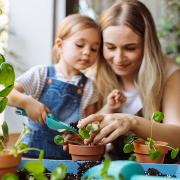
x: 150, y: 78
x: 70, y: 25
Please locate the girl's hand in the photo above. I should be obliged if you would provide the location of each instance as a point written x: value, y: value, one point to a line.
x: 111, y: 126
x: 35, y: 109
x: 114, y: 100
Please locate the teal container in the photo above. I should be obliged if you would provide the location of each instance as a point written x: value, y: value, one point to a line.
x: 117, y: 169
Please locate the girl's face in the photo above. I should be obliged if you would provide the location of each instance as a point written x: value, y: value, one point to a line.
x: 123, y: 50
x: 80, y: 50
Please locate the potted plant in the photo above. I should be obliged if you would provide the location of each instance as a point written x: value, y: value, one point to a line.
x: 9, y: 158
x: 81, y: 151
x: 149, y: 150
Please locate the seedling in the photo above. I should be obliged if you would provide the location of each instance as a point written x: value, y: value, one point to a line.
x: 152, y: 150
x: 83, y: 134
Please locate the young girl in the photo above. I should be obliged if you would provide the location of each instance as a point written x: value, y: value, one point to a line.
x: 133, y: 63
x: 60, y: 89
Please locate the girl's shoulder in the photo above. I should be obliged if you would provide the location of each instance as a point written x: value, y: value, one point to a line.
x: 170, y: 68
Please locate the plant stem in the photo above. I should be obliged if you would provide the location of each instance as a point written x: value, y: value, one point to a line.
x: 29, y: 149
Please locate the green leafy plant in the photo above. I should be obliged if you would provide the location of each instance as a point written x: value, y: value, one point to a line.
x: 104, y: 170
x: 152, y: 151
x: 83, y: 134
x: 7, y: 78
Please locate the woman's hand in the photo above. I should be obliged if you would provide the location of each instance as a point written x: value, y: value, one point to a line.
x: 71, y: 137
x: 111, y: 126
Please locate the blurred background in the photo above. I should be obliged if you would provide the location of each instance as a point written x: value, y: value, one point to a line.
x: 28, y: 30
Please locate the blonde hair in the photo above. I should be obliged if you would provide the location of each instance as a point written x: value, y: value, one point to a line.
x: 70, y: 25
x: 150, y: 78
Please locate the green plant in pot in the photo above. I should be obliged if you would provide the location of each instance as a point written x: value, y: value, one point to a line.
x: 9, y: 158
x: 149, y: 150
x: 77, y: 148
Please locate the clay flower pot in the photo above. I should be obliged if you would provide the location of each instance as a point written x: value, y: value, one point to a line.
x: 8, y: 163
x: 86, y: 152
x: 141, y: 151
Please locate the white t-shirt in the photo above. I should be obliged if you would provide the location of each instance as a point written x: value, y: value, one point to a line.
x: 33, y: 82
x: 133, y: 102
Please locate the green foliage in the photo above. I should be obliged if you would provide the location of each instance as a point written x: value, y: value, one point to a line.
x: 7, y: 78
x: 59, y: 140
x: 152, y: 150
x: 83, y: 133
x: 169, y: 30
x: 104, y: 170
x: 158, y: 116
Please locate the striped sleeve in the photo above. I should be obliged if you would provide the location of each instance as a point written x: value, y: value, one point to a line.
x: 33, y: 80
x: 90, y: 95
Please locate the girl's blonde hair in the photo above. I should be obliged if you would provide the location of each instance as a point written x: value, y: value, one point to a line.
x: 70, y: 25
x: 150, y: 78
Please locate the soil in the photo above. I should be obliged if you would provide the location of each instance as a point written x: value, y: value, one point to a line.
x: 74, y: 125
x: 155, y: 172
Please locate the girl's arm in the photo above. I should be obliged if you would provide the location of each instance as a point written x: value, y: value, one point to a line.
x: 35, y: 109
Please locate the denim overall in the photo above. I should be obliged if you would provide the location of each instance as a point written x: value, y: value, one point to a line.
x: 63, y: 100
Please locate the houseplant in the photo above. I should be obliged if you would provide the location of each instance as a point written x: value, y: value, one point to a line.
x: 9, y: 158
x: 149, y: 150
x: 77, y: 148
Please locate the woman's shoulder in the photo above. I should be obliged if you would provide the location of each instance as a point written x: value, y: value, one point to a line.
x: 170, y: 67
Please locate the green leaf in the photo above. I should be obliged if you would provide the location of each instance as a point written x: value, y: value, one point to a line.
x: 5, y: 129
x: 93, y: 127
x: 6, y: 90
x: 129, y: 139
x: 41, y: 155
x: 7, y: 74
x: 158, y: 116
x: 9, y: 176
x: 59, y: 140
x: 106, y: 165
x: 153, y: 154
x: 2, y: 59
x: 150, y: 142
x: 22, y: 146
x: 174, y: 153
x: 14, y: 151
x: 35, y: 167
x: 59, y: 172
x: 132, y: 157
x: 84, y: 133
x: 128, y: 148
x: 3, y: 103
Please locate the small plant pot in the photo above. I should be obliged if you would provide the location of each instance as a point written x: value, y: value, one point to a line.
x: 141, y: 151
x: 8, y: 163
x: 86, y: 152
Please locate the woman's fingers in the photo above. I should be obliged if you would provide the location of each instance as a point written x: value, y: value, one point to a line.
x: 115, y: 134
x: 90, y: 119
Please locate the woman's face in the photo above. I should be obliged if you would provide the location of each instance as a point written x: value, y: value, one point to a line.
x: 123, y: 50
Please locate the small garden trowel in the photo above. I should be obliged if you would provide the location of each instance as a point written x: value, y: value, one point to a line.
x: 51, y: 122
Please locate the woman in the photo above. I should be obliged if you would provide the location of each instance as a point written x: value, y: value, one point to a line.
x: 133, y: 63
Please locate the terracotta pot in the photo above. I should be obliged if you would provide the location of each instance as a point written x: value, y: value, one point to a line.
x: 141, y: 151
x: 86, y: 152
x: 8, y: 163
